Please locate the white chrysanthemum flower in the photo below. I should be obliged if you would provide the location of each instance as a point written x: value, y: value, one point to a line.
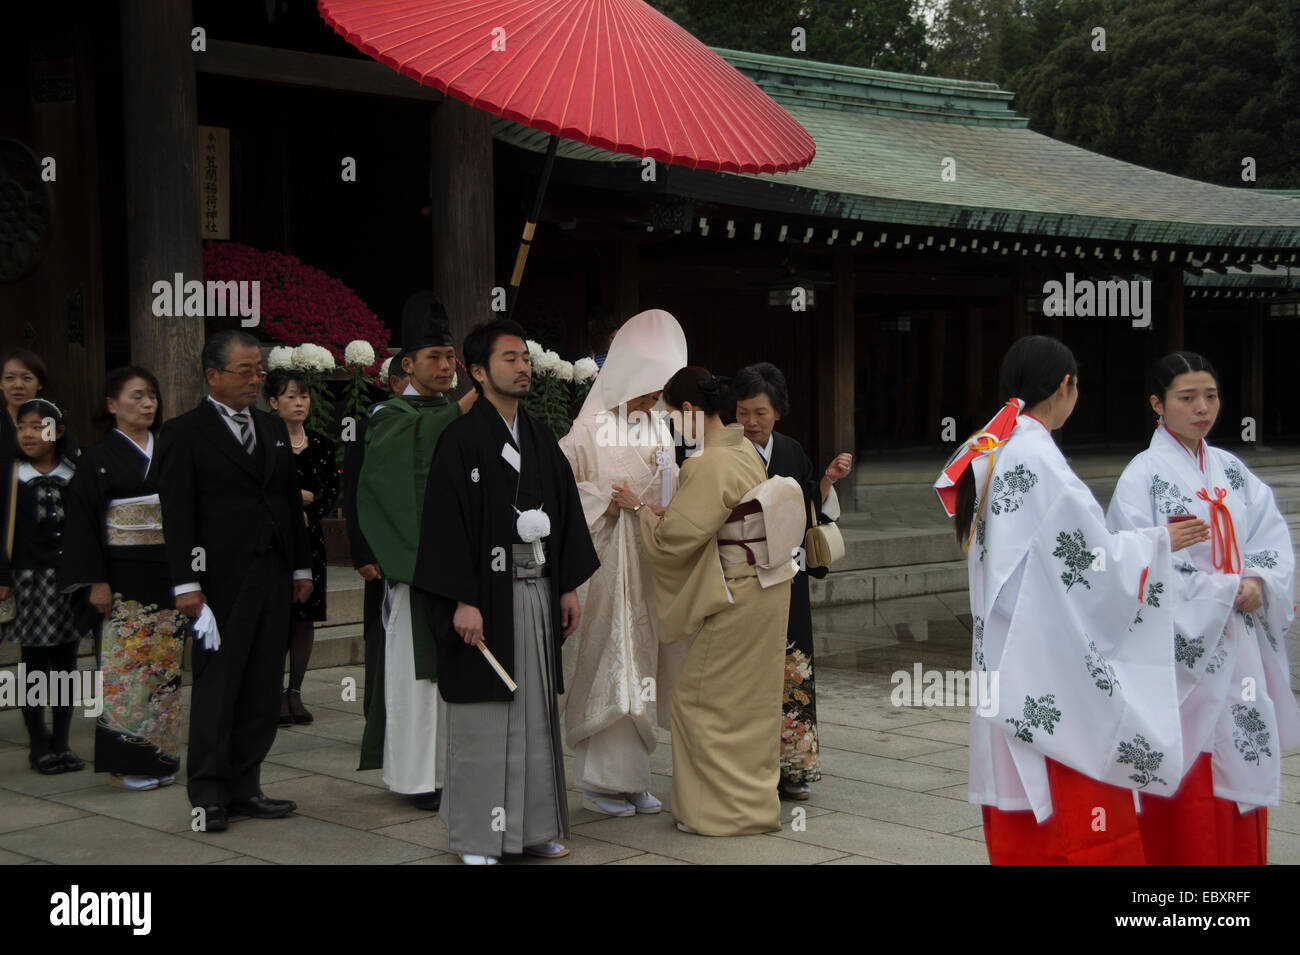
x: 383, y: 369
x: 281, y: 356
x: 313, y: 358
x: 584, y: 369
x: 302, y: 358
x: 535, y: 351
x: 565, y: 371
x: 360, y: 353
x: 548, y: 362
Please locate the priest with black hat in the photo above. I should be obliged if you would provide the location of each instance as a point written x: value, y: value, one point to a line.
x: 402, y: 716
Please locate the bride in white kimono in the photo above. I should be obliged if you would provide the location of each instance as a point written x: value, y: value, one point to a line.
x: 1232, y: 599
x: 1070, y: 619
x: 612, y: 673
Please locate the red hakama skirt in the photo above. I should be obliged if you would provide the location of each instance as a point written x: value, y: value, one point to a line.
x: 1195, y: 827
x: 1075, y: 833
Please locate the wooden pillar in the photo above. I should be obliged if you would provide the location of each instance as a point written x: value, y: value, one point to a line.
x: 627, y: 279
x: 934, y: 406
x: 973, y: 397
x: 1252, y: 378
x: 464, y: 251
x: 1018, y: 304
x: 1167, y: 309
x: 160, y: 120
x: 836, y: 380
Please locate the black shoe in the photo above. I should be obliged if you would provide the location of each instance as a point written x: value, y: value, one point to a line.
x: 262, y: 807
x: 72, y: 763
x: 286, y: 717
x: 298, y: 712
x: 51, y: 764
x: 214, y: 819
x: 430, y: 801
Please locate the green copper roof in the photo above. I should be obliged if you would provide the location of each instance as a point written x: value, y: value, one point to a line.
x: 885, y: 139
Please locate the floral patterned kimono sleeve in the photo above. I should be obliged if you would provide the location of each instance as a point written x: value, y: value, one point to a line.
x: 1267, y: 554
x: 1085, y: 664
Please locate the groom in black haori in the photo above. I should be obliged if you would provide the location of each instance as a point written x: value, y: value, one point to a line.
x: 503, y: 548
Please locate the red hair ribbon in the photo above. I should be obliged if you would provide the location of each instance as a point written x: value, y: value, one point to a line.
x: 1224, y: 535
x: 993, y: 436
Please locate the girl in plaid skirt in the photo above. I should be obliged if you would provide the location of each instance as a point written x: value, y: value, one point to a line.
x: 43, y: 623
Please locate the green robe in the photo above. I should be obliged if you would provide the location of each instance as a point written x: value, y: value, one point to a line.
x: 400, y: 439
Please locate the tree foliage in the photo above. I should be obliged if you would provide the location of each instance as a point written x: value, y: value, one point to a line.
x: 1190, y: 87
x: 880, y: 34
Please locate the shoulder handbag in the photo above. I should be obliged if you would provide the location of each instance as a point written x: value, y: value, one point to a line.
x: 9, y: 606
x: 822, y: 544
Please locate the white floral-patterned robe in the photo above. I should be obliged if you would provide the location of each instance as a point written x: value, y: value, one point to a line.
x: 1234, y: 682
x: 1073, y: 620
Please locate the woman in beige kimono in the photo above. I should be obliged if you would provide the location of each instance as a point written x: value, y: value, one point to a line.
x: 726, y: 706
x: 611, y: 665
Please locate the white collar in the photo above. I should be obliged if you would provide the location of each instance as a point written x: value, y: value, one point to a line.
x: 766, y: 450
x: 512, y: 428
x: 409, y: 389
x: 26, y: 472
x: 227, y: 410
x: 147, y: 450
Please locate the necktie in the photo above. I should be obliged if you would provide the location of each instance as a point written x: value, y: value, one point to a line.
x: 245, y: 422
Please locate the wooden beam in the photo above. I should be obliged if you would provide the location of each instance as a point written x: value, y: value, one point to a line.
x: 160, y: 124
x: 248, y: 61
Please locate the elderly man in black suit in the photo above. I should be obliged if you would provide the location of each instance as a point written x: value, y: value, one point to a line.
x: 237, y: 541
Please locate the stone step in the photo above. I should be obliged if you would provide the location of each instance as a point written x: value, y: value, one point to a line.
x: 883, y: 583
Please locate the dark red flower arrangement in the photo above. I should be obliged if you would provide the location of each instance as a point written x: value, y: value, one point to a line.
x: 299, y: 303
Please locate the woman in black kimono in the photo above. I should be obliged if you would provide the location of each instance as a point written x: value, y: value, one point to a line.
x: 115, y: 565
x: 288, y: 393
x: 762, y: 399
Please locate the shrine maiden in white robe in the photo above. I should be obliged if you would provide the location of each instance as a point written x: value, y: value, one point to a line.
x: 1234, y: 682
x: 1076, y: 623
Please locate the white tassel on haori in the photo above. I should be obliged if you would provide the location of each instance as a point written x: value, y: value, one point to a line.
x: 533, y: 526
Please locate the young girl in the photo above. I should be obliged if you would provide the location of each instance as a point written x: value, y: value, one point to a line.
x: 1233, y: 604
x: 43, y: 625
x: 1070, y: 619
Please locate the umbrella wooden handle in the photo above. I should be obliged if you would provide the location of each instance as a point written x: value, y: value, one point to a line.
x: 496, y: 665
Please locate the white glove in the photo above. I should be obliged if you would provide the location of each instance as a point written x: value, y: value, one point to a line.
x: 205, y: 629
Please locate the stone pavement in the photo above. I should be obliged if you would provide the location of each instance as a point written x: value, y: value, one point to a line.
x: 893, y: 791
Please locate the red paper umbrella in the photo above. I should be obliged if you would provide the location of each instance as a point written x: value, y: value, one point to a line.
x: 617, y: 74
